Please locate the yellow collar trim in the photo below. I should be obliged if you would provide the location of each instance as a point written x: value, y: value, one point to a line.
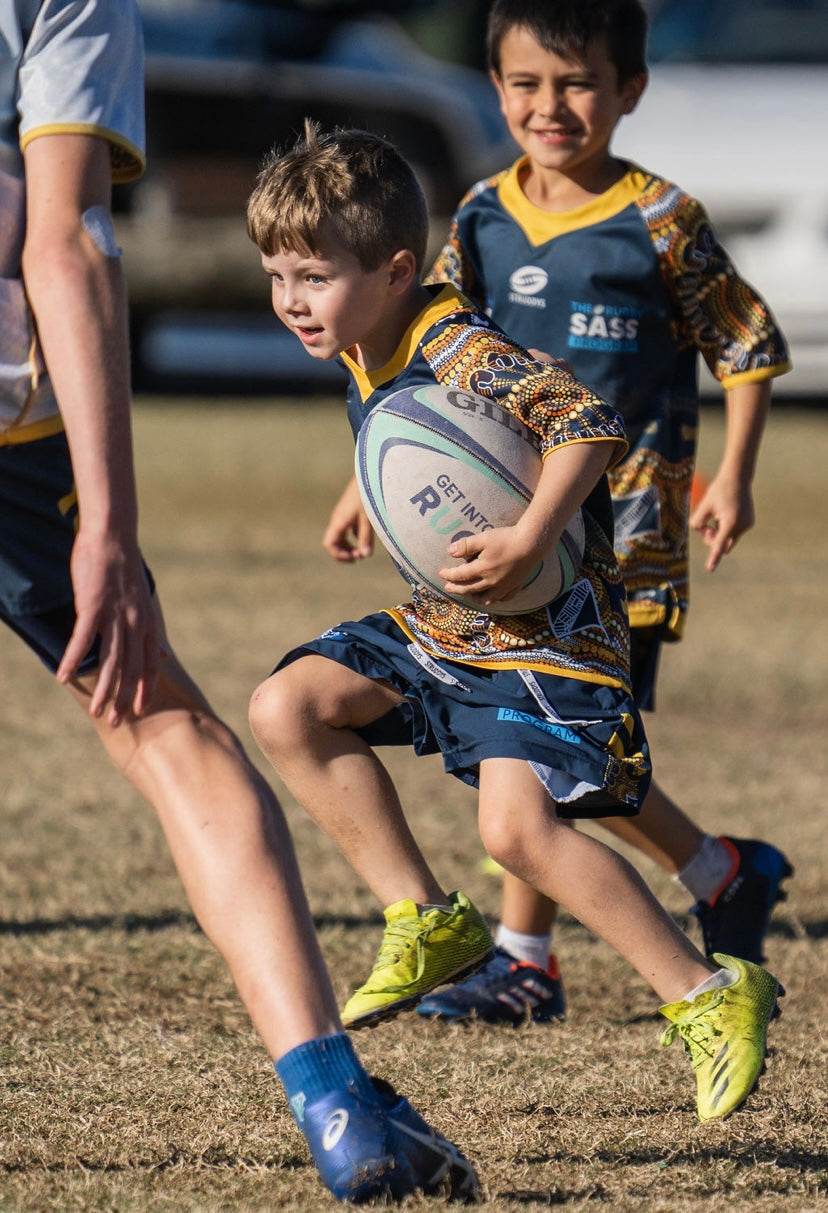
x: 447, y: 301
x: 541, y: 225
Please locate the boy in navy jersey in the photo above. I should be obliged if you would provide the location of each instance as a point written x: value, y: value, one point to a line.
x: 534, y: 710
x: 609, y: 266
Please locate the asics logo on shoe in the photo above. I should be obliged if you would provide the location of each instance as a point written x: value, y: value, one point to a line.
x: 336, y: 1125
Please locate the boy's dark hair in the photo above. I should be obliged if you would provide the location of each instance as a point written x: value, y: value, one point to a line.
x: 353, y: 180
x: 567, y: 27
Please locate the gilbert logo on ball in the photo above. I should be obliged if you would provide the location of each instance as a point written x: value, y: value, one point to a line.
x: 435, y: 464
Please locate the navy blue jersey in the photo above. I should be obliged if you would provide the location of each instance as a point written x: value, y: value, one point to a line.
x: 628, y: 289
x: 584, y: 633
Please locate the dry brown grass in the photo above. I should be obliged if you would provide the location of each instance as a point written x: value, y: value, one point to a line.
x: 131, y: 1078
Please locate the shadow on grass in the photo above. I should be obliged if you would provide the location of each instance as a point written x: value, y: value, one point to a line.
x: 163, y: 920
x: 799, y: 1162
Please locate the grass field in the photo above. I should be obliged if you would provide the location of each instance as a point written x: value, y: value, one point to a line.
x: 131, y: 1079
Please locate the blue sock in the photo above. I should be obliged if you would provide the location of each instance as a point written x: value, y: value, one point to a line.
x: 316, y: 1067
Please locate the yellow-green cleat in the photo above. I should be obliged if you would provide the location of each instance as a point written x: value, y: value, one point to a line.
x: 417, y: 953
x: 725, y: 1033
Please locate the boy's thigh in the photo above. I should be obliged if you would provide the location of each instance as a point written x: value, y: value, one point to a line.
x: 572, y: 732
x: 333, y: 692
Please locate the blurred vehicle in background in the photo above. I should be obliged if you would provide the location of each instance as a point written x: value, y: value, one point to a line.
x: 736, y: 113
x: 225, y: 81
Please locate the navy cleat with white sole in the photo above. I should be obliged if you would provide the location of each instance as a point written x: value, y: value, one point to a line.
x: 367, y: 1148
x: 503, y: 991
x: 737, y: 921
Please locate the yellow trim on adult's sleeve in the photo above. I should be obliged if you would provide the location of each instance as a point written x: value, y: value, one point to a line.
x: 31, y: 433
x: 128, y: 161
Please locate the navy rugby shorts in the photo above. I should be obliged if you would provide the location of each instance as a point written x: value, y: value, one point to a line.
x: 645, y: 650
x: 584, y: 741
x: 38, y: 519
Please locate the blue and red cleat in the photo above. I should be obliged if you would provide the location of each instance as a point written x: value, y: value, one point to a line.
x: 737, y: 920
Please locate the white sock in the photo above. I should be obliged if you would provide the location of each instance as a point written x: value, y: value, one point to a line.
x: 532, y: 948
x: 716, y: 981
x: 708, y: 870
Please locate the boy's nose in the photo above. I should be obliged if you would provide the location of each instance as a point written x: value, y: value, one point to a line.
x: 548, y: 103
x: 293, y: 302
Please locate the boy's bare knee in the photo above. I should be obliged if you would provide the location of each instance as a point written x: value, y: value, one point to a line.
x: 267, y: 716
x: 502, y: 843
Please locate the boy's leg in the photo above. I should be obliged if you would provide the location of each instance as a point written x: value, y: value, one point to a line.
x: 661, y: 831
x: 735, y: 881
x: 304, y: 718
x: 725, y: 1008
x: 520, y: 829
x: 236, y: 859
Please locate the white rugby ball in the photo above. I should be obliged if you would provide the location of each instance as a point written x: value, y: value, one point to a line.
x: 434, y: 464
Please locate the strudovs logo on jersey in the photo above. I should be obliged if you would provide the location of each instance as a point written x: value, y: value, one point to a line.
x: 526, y: 284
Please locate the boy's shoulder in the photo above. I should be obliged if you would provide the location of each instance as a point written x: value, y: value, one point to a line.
x: 659, y: 196
x: 486, y: 185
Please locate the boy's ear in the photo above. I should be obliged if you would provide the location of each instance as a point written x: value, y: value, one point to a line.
x: 496, y: 81
x: 402, y: 270
x: 632, y: 91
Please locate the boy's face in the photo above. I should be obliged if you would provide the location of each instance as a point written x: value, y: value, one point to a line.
x: 562, y: 113
x: 327, y: 299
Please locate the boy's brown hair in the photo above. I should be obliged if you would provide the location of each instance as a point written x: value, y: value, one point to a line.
x: 567, y: 27
x: 353, y: 180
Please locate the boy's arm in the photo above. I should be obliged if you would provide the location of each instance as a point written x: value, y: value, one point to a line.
x: 349, y: 535
x: 499, y: 561
x: 725, y: 510
x: 78, y: 298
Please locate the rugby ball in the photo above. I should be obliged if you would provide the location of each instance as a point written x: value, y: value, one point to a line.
x: 434, y: 464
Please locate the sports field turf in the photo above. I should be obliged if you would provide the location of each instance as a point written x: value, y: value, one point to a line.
x: 131, y: 1079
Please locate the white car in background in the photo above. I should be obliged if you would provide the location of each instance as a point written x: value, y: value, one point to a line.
x: 736, y: 113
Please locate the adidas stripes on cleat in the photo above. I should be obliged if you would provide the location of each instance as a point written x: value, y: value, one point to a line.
x: 736, y: 922
x: 418, y: 952
x: 725, y: 1033
x: 364, y: 1149
x: 503, y: 991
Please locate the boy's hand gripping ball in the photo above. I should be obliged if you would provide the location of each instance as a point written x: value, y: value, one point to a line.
x: 434, y: 464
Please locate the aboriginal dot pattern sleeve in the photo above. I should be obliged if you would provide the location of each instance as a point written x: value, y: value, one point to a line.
x: 629, y: 289
x: 584, y: 633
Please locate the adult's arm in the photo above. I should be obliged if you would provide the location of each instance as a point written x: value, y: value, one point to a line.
x: 77, y: 293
